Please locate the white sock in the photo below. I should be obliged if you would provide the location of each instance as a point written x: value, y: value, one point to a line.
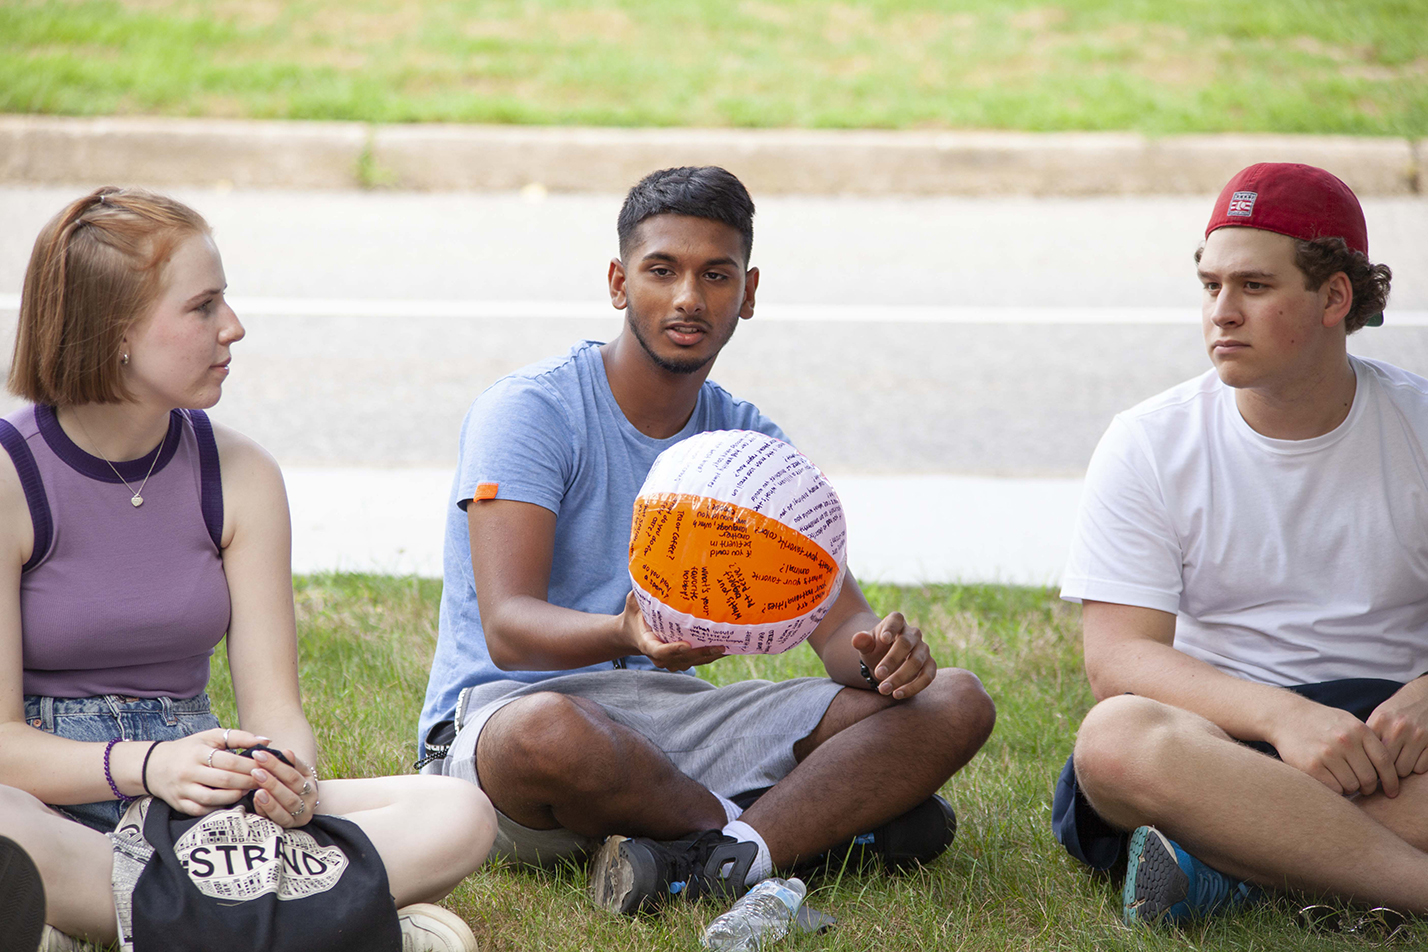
x: 763, y: 865
x: 732, y: 811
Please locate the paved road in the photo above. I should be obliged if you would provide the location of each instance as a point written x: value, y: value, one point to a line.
x: 944, y: 374
x: 912, y: 348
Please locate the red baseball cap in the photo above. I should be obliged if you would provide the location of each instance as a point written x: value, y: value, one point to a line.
x: 1300, y: 201
x: 1291, y: 199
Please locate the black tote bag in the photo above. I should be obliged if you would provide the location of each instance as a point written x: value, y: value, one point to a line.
x: 235, y: 881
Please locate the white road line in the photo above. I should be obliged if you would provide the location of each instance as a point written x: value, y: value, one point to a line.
x: 825, y: 313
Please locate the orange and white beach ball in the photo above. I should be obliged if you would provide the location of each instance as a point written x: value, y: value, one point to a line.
x: 737, y: 540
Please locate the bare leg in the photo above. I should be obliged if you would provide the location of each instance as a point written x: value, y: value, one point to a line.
x: 75, y: 863
x: 871, y: 759
x: 1250, y: 815
x: 431, y: 832
x: 549, y: 760
x: 1406, y: 815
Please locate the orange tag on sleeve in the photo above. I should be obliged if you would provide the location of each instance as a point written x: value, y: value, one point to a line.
x: 486, y: 490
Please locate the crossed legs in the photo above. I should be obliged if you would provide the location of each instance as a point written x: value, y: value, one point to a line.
x: 1142, y: 762
x: 550, y: 760
x: 431, y: 832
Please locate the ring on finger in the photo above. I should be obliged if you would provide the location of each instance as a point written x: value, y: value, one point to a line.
x: 226, y: 732
x: 210, y: 756
x: 301, y: 809
x: 306, y: 788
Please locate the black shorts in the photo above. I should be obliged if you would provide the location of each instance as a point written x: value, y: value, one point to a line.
x: 1093, y: 841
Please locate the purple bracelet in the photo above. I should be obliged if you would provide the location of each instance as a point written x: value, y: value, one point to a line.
x: 108, y: 748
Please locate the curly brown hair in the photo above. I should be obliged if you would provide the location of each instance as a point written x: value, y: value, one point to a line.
x: 1322, y: 258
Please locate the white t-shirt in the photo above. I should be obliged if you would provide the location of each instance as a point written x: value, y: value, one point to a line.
x: 1286, y: 561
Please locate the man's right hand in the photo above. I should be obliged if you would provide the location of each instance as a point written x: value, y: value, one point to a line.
x: 671, y: 656
x: 1336, y: 749
x: 1401, y: 722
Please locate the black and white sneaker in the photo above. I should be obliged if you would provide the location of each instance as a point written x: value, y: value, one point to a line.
x: 628, y: 876
x: 22, y: 898
x: 916, y: 837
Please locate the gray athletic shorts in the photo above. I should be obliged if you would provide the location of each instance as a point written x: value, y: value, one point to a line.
x: 731, y: 739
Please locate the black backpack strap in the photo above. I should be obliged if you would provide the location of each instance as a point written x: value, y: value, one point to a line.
x: 210, y: 480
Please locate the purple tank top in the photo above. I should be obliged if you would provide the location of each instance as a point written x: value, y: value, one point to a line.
x: 117, y: 599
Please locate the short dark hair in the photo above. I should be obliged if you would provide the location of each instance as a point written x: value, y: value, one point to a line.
x: 1322, y: 258
x: 705, y: 191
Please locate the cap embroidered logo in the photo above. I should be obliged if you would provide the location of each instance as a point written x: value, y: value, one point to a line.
x: 1242, y: 204
x: 1295, y: 200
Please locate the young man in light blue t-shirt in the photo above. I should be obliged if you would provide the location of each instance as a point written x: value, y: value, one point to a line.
x: 549, y: 690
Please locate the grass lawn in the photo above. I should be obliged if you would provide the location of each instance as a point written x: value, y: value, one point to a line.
x: 366, y: 644
x: 1320, y: 66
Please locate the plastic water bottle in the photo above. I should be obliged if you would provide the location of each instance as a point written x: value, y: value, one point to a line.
x: 759, y: 919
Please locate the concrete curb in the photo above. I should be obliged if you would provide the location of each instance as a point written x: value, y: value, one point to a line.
x: 45, y: 150
x: 164, y: 152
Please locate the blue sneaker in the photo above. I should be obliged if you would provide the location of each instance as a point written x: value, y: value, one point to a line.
x: 1165, y: 883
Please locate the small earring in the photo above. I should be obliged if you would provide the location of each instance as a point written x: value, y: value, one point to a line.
x: 124, y: 359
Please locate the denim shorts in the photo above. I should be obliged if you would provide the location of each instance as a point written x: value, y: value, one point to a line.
x: 101, y: 719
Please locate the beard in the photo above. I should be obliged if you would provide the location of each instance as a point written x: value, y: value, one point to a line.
x: 689, y: 366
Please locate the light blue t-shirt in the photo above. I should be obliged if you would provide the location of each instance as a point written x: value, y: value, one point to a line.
x: 552, y: 434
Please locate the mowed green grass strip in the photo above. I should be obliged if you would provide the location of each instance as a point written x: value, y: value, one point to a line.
x: 366, y: 644
x: 1304, y: 66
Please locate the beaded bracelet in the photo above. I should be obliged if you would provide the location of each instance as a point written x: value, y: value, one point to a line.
x: 108, y: 775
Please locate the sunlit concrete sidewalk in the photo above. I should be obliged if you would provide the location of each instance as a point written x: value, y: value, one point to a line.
x: 293, y: 154
x: 901, y: 529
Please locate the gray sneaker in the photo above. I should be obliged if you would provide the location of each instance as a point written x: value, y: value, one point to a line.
x: 430, y: 928
x: 54, y: 940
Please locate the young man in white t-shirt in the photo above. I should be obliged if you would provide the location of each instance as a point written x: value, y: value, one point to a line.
x: 1252, y: 558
